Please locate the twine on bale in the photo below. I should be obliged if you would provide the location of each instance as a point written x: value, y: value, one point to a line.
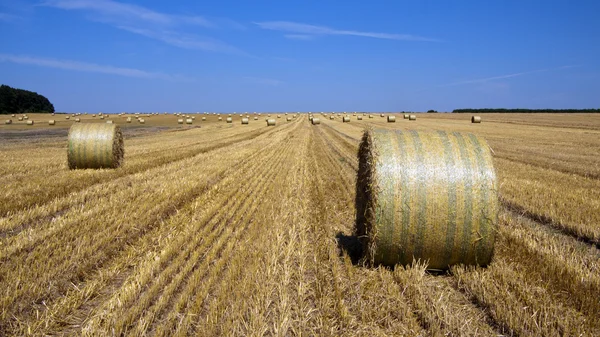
x: 95, y: 146
x: 391, y: 119
x: 426, y: 195
x: 475, y: 119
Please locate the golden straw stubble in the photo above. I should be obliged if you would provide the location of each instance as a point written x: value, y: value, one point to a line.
x: 426, y: 195
x: 95, y: 146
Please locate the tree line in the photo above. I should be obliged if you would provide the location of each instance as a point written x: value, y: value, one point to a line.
x: 527, y: 110
x: 14, y: 101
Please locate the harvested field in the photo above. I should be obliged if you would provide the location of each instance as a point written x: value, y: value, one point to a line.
x: 238, y: 230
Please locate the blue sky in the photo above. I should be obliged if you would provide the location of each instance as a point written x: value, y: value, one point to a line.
x: 111, y: 56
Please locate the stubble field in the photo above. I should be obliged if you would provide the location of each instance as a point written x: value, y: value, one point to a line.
x: 230, y: 229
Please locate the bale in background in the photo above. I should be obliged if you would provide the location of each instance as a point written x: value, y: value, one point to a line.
x: 188, y: 121
x: 8, y: 121
x: 20, y: 119
x: 51, y: 122
x: 370, y: 116
x: 359, y: 118
x: 391, y: 119
x: 270, y: 122
x: 331, y: 117
x: 142, y: 121
x: 475, y: 119
x: 406, y: 116
x: 382, y: 115
x: 77, y: 120
x: 244, y: 120
x: 426, y: 195
x: 109, y: 122
x: 289, y: 119
x: 67, y: 117
x: 229, y: 120
x: 203, y: 118
x: 316, y: 121
x: 412, y: 118
x: 29, y: 122
x: 346, y: 119
x: 128, y: 119
x: 95, y: 146
x: 255, y: 118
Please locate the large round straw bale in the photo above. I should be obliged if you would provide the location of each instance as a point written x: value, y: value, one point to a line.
x: 93, y: 115
x: 316, y: 121
x: 426, y: 195
x: 382, y: 115
x: 270, y: 122
x: 29, y: 122
x: 346, y: 119
x: 77, y: 120
x: 229, y: 120
x: 189, y: 121
x: 391, y: 119
x: 13, y: 115
x: 203, y: 118
x: 370, y: 116
x: 220, y: 118
x: 109, y: 122
x: 289, y: 119
x: 180, y: 121
x: 101, y: 117
x: 244, y: 120
x: 331, y: 117
x: 406, y: 116
x: 412, y: 118
x: 255, y: 118
x: 67, y: 117
x: 142, y: 121
x: 26, y: 117
x: 128, y: 119
x: 51, y: 122
x: 475, y: 119
x: 359, y: 118
x: 278, y: 116
x: 95, y: 146
x: 20, y: 119
x: 8, y: 121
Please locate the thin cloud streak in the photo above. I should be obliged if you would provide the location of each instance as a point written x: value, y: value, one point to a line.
x: 184, y: 41
x: 302, y: 28
x: 87, y: 67
x: 298, y: 37
x: 260, y: 80
x: 483, y: 80
x: 117, y: 11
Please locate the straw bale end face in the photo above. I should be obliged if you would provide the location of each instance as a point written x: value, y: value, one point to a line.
x: 95, y: 146
x: 429, y: 196
x: 475, y: 119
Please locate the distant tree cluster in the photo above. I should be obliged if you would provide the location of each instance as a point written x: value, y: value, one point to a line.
x: 527, y: 110
x: 13, y: 101
x: 431, y: 111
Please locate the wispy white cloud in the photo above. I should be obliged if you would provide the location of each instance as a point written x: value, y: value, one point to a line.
x: 5, y: 17
x: 120, y: 12
x: 163, y: 27
x: 266, y: 81
x: 501, y: 77
x: 298, y: 37
x: 302, y: 28
x: 183, y: 41
x: 87, y: 67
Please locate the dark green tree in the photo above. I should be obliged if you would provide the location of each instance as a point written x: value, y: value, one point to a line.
x: 13, y: 101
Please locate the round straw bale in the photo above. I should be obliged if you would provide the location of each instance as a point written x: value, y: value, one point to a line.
x: 412, y: 117
x: 203, y: 118
x: 391, y: 119
x: 244, y: 120
x: 93, y: 115
x: 67, y: 117
x: 13, y: 115
x: 289, y: 119
x: 406, y: 116
x: 142, y: 121
x: 180, y: 121
x: 346, y: 119
x: 128, y: 119
x: 109, y: 122
x: 77, y: 120
x: 255, y: 118
x: 426, y: 195
x: 29, y: 122
x: 229, y: 120
x: 278, y: 116
x: 270, y: 122
x: 26, y: 117
x: 95, y: 146
x: 101, y: 117
x: 475, y: 119
x: 316, y: 121
x: 51, y: 122
x: 8, y: 121
x: 20, y: 118
x: 359, y: 118
x: 331, y: 117
x: 382, y: 115
x: 370, y: 116
x: 189, y: 121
